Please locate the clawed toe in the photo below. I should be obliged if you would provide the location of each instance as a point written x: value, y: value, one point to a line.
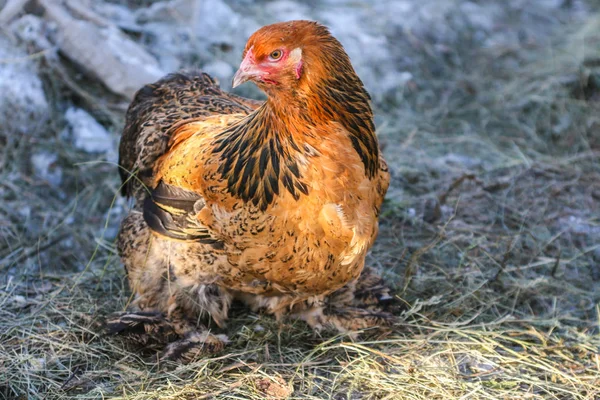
x: 363, y: 304
x: 194, y: 344
x: 349, y: 319
x: 143, y: 326
x: 184, y: 341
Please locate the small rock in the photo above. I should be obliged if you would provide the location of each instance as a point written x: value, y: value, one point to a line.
x: 103, y: 50
x: 431, y: 210
x: 19, y: 301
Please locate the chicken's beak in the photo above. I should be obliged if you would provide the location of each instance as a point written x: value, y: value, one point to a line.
x: 247, y: 71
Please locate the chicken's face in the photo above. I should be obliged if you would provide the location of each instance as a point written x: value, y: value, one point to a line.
x: 279, y: 57
x: 272, y: 66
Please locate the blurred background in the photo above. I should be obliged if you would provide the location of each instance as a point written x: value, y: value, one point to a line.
x: 488, y: 113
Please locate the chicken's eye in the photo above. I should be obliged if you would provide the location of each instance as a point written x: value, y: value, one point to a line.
x: 275, y: 55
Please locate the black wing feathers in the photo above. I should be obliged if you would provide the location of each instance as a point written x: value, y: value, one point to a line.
x: 171, y: 211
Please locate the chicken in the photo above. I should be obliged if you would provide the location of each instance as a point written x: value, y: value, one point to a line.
x: 274, y: 204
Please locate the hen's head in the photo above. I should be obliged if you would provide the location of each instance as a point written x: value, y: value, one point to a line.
x: 291, y: 56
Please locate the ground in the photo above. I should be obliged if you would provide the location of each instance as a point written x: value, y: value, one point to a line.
x: 489, y: 115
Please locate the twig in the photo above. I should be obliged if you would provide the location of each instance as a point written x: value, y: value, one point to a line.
x: 457, y: 182
x: 556, y: 265
x: 504, y: 261
x: 70, y: 378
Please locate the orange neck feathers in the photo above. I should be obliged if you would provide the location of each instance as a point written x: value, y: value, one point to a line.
x: 260, y: 154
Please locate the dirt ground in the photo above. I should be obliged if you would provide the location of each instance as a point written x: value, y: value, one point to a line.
x: 490, y: 233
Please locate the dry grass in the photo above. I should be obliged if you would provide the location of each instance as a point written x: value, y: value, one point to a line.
x: 490, y: 234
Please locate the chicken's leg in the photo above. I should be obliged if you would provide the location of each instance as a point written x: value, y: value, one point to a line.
x: 362, y: 304
x: 164, y: 310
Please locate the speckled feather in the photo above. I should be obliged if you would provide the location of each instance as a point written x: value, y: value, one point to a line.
x: 275, y: 204
x: 156, y: 109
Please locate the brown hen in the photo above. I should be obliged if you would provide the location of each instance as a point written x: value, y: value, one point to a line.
x: 274, y: 204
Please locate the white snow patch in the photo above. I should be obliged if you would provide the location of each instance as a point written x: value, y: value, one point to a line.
x: 44, y: 166
x: 33, y: 31
x: 112, y: 217
x: 216, y: 20
x: 221, y: 70
x: 286, y: 10
x: 128, y: 52
x: 87, y: 134
x: 183, y: 33
x: 23, y: 104
x: 578, y: 225
x: 209, y: 21
x: 117, y: 13
x: 482, y: 17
